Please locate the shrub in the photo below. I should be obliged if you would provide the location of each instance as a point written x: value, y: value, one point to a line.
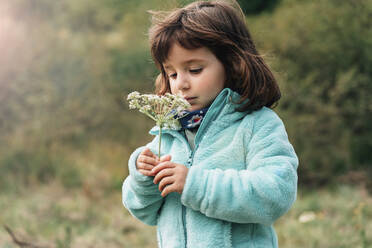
x: 324, y: 62
x: 23, y: 168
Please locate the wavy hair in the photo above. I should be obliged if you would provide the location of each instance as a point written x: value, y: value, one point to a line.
x: 220, y: 27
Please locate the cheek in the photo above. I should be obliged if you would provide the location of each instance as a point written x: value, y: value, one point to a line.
x: 221, y: 85
x: 216, y: 83
x: 217, y: 87
x: 172, y: 89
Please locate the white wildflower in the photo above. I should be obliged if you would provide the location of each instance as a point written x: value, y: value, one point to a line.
x: 162, y: 109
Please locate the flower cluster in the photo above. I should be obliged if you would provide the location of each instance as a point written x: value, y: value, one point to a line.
x: 162, y: 109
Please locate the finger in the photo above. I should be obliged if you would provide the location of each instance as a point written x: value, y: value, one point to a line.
x: 166, y: 181
x: 166, y: 158
x: 147, y: 160
x: 145, y: 172
x: 148, y: 152
x: 145, y: 166
x: 162, y: 174
x: 162, y: 166
x: 168, y: 189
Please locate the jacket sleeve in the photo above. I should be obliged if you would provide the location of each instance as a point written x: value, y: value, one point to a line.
x: 139, y: 194
x: 261, y: 193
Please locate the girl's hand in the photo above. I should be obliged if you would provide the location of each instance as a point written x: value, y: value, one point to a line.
x: 172, y: 176
x: 146, y: 161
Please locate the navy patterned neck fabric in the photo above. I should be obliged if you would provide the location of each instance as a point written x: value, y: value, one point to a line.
x: 192, y: 119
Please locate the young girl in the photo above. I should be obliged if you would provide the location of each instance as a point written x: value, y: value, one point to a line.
x: 230, y: 172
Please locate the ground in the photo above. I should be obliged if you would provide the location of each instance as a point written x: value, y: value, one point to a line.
x: 52, y: 216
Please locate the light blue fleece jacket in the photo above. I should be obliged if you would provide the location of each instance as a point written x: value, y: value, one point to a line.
x: 242, y: 177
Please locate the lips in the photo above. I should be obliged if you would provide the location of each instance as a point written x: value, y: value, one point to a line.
x: 190, y: 99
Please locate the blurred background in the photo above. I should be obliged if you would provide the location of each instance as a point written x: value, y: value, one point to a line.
x: 66, y: 132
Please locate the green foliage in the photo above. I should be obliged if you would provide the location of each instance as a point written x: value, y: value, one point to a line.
x: 70, y: 177
x: 341, y: 208
x: 66, y: 241
x: 69, y: 65
x: 133, y: 69
x: 59, y: 84
x: 253, y: 7
x: 66, y: 66
x: 324, y: 62
x: 23, y: 168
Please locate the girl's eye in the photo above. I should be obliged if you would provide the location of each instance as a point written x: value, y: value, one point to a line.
x: 173, y: 75
x: 196, y: 71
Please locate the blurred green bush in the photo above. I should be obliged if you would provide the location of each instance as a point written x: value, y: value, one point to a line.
x: 26, y: 168
x: 69, y: 65
x: 253, y: 7
x: 324, y: 59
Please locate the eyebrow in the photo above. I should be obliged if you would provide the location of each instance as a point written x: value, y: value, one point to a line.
x: 185, y: 62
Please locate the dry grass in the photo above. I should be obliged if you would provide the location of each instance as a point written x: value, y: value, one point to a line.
x: 92, y: 215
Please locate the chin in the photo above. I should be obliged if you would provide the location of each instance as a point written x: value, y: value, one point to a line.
x: 194, y: 108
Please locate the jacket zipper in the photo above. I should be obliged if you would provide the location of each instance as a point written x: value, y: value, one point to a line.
x: 184, y: 224
x: 189, y: 163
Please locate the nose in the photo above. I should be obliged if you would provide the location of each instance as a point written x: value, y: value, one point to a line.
x: 182, y: 82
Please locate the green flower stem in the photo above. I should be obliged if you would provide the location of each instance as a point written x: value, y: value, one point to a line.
x: 160, y: 127
x: 149, y: 115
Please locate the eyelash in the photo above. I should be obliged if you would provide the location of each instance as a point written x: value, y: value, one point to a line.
x: 193, y: 71
x: 172, y: 75
x: 196, y: 71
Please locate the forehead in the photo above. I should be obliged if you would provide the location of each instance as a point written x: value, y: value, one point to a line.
x: 179, y: 55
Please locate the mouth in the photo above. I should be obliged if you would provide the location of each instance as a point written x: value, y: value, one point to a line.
x: 190, y: 99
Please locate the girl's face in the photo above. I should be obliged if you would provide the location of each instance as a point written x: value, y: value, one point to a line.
x: 197, y: 75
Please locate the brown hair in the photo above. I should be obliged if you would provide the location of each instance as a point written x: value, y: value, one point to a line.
x: 221, y: 28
